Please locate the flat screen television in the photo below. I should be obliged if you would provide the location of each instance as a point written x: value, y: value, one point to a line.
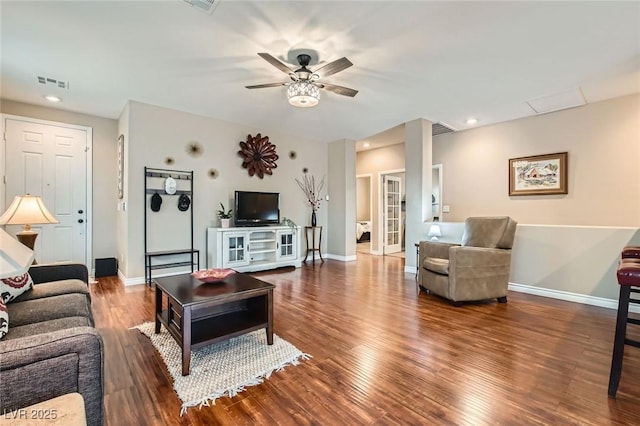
x: 256, y: 208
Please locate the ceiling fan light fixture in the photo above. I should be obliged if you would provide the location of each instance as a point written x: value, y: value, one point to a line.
x: 303, y: 94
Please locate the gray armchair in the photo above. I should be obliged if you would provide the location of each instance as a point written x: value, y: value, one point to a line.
x: 476, y: 269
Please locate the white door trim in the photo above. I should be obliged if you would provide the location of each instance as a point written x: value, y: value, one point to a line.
x: 89, y: 162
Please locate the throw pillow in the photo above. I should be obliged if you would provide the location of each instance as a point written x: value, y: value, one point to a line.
x: 10, y: 288
x: 4, y: 320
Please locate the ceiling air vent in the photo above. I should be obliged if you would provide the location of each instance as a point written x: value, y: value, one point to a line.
x: 47, y: 81
x: 205, y: 6
x: 440, y: 129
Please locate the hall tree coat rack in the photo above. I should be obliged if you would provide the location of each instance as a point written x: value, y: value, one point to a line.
x: 173, y: 258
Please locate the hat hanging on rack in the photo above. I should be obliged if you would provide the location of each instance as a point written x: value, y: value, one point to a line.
x: 184, y: 202
x: 156, y: 202
x: 170, y: 186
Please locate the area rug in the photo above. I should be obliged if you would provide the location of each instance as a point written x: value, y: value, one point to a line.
x: 224, y: 368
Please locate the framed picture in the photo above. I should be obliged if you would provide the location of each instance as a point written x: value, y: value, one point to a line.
x: 538, y: 175
x: 121, y: 167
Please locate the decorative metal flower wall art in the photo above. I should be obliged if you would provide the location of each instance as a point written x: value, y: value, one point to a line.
x: 259, y: 155
x: 194, y: 149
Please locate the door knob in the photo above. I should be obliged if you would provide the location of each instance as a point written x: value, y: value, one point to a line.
x: 80, y: 211
x: 80, y: 220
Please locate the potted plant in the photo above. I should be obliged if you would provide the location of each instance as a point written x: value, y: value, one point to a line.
x: 224, y: 215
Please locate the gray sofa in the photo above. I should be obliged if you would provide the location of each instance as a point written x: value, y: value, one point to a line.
x: 52, y: 347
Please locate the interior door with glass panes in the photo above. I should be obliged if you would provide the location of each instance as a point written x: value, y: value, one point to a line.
x: 392, y: 215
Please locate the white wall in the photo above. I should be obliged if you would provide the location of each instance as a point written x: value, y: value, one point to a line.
x: 156, y: 133
x: 104, y: 167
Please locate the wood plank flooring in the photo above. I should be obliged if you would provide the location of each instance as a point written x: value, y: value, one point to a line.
x: 384, y: 354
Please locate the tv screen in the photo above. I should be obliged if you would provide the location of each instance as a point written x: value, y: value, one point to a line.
x: 256, y: 208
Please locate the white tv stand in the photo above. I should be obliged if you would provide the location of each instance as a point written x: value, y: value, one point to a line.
x: 249, y: 249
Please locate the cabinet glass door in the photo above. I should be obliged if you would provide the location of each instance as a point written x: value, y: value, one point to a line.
x: 235, y: 249
x: 287, y: 245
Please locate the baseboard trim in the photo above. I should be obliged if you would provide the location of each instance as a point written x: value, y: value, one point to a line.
x: 340, y: 258
x: 410, y: 269
x: 570, y: 297
x: 140, y: 280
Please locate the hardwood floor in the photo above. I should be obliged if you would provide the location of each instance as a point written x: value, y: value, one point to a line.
x: 384, y: 354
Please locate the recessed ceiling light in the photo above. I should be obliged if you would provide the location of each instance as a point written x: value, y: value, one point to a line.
x: 472, y: 121
x: 366, y: 144
x: 52, y: 98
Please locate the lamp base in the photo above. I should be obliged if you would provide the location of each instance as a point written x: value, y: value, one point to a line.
x: 28, y: 238
x: 434, y: 238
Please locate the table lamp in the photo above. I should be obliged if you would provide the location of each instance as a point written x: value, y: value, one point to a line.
x: 434, y: 232
x: 27, y: 210
x: 15, y: 258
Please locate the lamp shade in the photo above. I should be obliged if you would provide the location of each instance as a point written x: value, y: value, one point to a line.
x: 27, y: 210
x: 303, y: 94
x: 15, y: 257
x: 434, y: 232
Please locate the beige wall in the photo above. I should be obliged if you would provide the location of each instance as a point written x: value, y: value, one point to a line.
x: 341, y: 241
x: 603, y: 142
x: 155, y: 133
x: 363, y: 196
x: 105, y: 133
x: 566, y: 246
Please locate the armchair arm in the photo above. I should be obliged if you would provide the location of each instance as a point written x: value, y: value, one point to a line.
x: 37, y: 368
x: 478, y: 273
x: 434, y: 249
x: 57, y: 272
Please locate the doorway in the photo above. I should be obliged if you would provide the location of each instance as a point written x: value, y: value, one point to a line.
x: 364, y: 213
x: 52, y: 160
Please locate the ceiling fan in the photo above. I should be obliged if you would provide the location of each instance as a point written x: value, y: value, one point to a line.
x: 303, y: 89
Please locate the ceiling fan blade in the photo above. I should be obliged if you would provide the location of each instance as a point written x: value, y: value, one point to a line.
x: 340, y: 90
x: 275, y: 62
x: 333, y: 67
x: 262, y: 86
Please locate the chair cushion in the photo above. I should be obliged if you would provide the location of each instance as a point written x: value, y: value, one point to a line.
x: 50, y: 308
x: 54, y: 288
x: 437, y: 265
x: 17, y: 332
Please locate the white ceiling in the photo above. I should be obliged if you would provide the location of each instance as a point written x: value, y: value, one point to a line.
x: 443, y: 61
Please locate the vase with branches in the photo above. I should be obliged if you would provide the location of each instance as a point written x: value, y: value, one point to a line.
x: 312, y: 192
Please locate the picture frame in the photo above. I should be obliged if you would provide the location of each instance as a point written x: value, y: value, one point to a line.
x: 121, y: 167
x: 538, y: 174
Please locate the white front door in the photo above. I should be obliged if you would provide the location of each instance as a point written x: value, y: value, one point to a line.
x: 392, y: 215
x: 51, y: 161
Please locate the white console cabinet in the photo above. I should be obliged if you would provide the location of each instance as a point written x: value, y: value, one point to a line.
x: 253, y: 248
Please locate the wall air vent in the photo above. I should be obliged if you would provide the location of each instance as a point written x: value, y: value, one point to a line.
x: 205, y: 6
x: 47, y: 81
x: 440, y: 129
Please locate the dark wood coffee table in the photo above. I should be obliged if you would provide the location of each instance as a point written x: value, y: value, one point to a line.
x: 199, y: 314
